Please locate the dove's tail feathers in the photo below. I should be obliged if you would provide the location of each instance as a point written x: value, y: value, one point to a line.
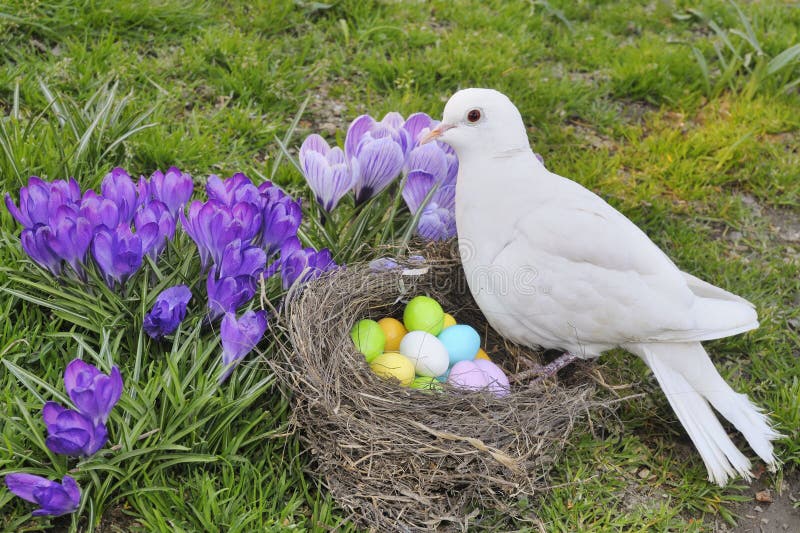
x: 717, y: 318
x: 707, y: 290
x: 689, y: 380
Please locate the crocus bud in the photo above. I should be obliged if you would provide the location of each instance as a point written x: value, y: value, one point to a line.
x: 72, y: 433
x: 53, y: 499
x: 239, y: 337
x: 168, y: 311
x: 93, y: 392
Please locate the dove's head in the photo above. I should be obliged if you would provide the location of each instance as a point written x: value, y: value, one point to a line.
x: 480, y: 119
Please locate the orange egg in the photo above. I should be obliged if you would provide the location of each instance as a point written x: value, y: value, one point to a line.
x: 482, y: 355
x: 394, y: 330
x: 448, y: 321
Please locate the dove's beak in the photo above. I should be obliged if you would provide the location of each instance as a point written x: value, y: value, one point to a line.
x: 436, y: 132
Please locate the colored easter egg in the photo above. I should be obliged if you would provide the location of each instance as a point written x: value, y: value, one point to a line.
x: 394, y: 365
x: 394, y: 331
x: 368, y: 338
x: 462, y: 342
x: 426, y: 352
x: 497, y: 379
x: 426, y: 383
x: 423, y: 314
x: 448, y: 321
x: 479, y: 374
x: 467, y: 375
x: 482, y: 355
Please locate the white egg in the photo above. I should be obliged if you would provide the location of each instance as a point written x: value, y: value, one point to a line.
x: 428, y: 354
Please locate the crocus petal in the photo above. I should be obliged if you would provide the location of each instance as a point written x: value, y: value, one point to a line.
x: 168, y: 311
x: 23, y: 485
x: 240, y: 336
x: 35, y: 244
x: 118, y: 187
x: 78, y: 370
x: 314, y: 143
x: 329, y: 182
x: 429, y: 158
x: 53, y: 498
x: 416, y: 125
x: 380, y: 162
x: 418, y: 185
x: 93, y: 392
x: 174, y: 188
x: 51, y: 411
x: 72, y: 489
x: 358, y: 128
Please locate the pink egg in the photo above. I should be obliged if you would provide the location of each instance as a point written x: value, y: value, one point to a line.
x: 467, y: 375
x: 496, y: 378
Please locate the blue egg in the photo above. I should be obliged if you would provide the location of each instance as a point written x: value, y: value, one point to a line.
x: 443, y: 377
x: 462, y: 342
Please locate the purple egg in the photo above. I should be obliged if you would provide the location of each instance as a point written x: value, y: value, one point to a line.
x: 495, y: 377
x: 467, y: 375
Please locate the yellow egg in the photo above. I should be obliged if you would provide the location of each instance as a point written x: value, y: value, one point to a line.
x: 482, y: 355
x: 394, y: 365
x: 448, y: 321
x: 394, y: 330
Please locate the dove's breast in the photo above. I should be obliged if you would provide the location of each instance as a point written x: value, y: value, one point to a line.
x: 515, y: 287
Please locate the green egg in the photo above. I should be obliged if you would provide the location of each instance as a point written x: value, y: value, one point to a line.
x: 368, y: 338
x: 426, y: 383
x: 424, y: 314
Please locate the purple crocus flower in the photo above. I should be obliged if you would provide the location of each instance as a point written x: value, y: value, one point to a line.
x: 376, y: 151
x: 227, y: 294
x: 119, y: 253
x: 71, y: 432
x: 70, y: 236
x: 417, y: 126
x: 281, y: 217
x: 428, y: 158
x: 377, y: 163
x: 53, y: 499
x: 118, y: 187
x: 304, y: 264
x: 212, y: 225
x: 173, y: 188
x: 326, y: 171
x: 40, y: 198
x: 168, y: 311
x: 239, y: 337
x: 93, y: 392
x: 99, y: 211
x: 237, y: 188
x: 157, y: 214
x: 437, y: 221
x: 365, y: 129
x: 35, y: 242
x: 233, y: 282
x: 144, y: 191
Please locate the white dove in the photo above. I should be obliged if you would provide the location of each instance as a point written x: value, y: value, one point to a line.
x: 551, y: 264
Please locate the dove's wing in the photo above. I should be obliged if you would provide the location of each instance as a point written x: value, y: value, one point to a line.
x: 601, y: 275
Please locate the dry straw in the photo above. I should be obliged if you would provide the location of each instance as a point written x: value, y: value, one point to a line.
x: 401, y: 459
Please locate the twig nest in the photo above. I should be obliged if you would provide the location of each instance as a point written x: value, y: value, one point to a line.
x: 431, y: 455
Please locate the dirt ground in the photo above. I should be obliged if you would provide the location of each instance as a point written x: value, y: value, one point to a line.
x: 779, y: 516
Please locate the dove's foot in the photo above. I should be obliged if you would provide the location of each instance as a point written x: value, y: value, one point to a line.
x: 542, y: 372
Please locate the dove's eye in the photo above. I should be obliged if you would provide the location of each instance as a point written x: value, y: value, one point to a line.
x: 474, y: 115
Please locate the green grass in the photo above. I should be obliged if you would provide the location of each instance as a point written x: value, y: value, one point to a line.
x: 681, y: 114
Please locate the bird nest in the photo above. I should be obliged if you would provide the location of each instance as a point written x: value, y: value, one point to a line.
x: 404, y: 459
